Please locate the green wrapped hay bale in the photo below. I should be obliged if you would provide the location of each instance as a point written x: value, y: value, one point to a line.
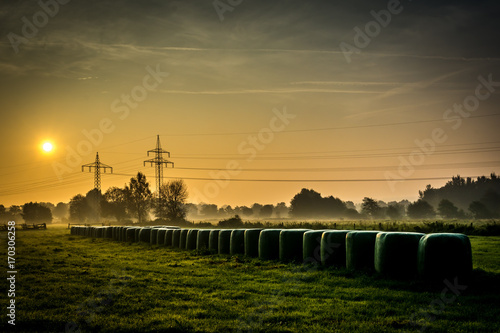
x: 311, y: 248
x: 191, y: 239
x: 360, y: 250
x: 176, y: 238
x: 168, y: 237
x: 183, y: 239
x: 160, y: 238
x: 203, y: 239
x: 145, y: 235
x: 252, y: 242
x: 213, y: 241
x: 154, y: 236
x: 444, y: 256
x: 396, y: 254
x: 269, y: 244
x: 108, y: 232
x: 130, y: 235
x: 291, y: 244
x: 237, y: 242
x: 225, y: 241
x: 123, y: 234
x: 333, y: 248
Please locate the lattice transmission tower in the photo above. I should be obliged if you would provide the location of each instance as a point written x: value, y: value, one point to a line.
x: 158, y: 161
x: 97, y: 165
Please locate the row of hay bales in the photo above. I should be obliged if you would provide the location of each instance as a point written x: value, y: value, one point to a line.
x: 393, y: 254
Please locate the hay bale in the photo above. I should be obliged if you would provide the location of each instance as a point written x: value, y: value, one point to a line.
x: 237, y: 242
x: 183, y: 239
x: 123, y: 234
x: 160, y: 238
x: 311, y: 247
x: 225, y: 241
x: 176, y: 238
x: 252, y: 242
x: 154, y: 236
x: 360, y: 250
x: 333, y: 248
x: 291, y: 244
x: 145, y: 235
x: 168, y: 237
x: 269, y: 244
x: 213, y: 241
x: 191, y: 239
x: 203, y: 239
x: 130, y: 235
x: 396, y: 254
x: 444, y: 256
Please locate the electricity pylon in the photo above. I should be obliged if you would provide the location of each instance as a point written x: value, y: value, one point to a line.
x: 97, y: 165
x: 158, y: 161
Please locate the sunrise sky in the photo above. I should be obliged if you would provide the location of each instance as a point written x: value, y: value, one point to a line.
x: 337, y: 110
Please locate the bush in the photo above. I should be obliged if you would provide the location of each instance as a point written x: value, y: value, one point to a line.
x: 252, y: 242
x: 396, y: 254
x: 333, y: 248
x: 233, y: 222
x: 312, y: 246
x: 360, y: 250
x: 237, y: 242
x: 444, y: 256
x: 291, y: 242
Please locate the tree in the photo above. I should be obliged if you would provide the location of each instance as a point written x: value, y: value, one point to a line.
x: 94, y: 200
x: 266, y: 211
x: 371, y: 208
x: 138, y: 196
x: 395, y: 211
x: 78, y: 208
x: 421, y: 209
x: 115, y: 203
x: 35, y: 212
x: 479, y: 210
x: 447, y: 209
x: 61, y: 210
x: 309, y: 203
x: 281, y: 210
x: 174, y: 195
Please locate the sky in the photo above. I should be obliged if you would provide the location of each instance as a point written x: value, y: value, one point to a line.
x: 254, y: 100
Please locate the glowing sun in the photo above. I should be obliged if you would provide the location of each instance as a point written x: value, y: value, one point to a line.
x: 47, y: 147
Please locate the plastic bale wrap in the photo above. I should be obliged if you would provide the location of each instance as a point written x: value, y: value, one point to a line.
x: 225, y: 241
x: 252, y: 242
x: 130, y: 235
x: 213, y: 241
x: 154, y: 236
x: 123, y: 234
x: 168, y: 237
x: 183, y: 239
x: 360, y: 250
x: 311, y: 248
x: 333, y: 248
x: 237, y: 242
x: 203, y: 239
x: 444, y: 256
x: 145, y: 235
x: 291, y: 244
x: 191, y: 239
x: 176, y: 238
x: 269, y: 244
x: 396, y: 254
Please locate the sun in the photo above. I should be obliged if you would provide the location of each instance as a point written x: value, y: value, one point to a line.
x: 47, y: 147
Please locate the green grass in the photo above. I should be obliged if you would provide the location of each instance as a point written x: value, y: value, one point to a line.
x: 102, y: 285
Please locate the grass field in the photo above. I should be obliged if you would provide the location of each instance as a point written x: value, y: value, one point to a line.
x: 76, y: 284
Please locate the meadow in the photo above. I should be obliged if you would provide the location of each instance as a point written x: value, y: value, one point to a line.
x: 69, y: 283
